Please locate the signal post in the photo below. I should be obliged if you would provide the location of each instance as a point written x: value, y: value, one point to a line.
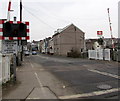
x: 12, y: 33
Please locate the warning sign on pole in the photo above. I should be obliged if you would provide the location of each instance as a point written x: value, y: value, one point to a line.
x: 99, y: 33
x: 9, y: 47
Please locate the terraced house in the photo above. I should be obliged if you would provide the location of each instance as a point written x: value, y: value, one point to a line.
x: 67, y: 39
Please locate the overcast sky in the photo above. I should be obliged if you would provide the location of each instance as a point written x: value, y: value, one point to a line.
x: 46, y: 16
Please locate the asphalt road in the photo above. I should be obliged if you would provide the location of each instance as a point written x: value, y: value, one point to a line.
x: 54, y: 77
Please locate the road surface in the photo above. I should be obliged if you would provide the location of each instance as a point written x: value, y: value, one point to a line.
x: 52, y: 77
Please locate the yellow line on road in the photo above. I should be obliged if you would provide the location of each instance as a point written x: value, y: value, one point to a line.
x: 104, y: 73
x: 95, y: 93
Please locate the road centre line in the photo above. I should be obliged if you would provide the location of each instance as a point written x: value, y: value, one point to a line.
x: 40, y: 83
x: 41, y: 86
x: 31, y: 65
x: 95, y: 93
x: 104, y: 73
x: 16, y: 69
x: 38, y: 80
x: 36, y: 76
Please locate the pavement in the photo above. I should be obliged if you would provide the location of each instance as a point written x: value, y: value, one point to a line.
x: 54, y: 77
x: 28, y: 85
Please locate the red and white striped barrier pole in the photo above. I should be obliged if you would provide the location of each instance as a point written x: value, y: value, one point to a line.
x: 9, y: 9
x: 111, y: 29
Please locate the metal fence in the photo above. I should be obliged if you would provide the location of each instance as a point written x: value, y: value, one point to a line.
x: 5, y: 61
x: 102, y: 54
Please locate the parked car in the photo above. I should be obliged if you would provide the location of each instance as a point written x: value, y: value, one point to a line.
x: 26, y: 53
x: 34, y: 53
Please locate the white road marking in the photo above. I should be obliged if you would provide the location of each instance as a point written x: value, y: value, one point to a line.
x: 104, y: 73
x: 33, y: 98
x: 32, y: 65
x: 40, y: 83
x: 38, y: 80
x: 16, y: 69
x: 41, y: 86
x: 95, y: 93
x: 37, y: 77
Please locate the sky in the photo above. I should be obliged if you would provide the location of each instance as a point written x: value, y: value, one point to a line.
x: 46, y: 16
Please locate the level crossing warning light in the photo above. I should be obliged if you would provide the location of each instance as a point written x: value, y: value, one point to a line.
x: 7, y: 27
x: 14, y: 30
x: 22, y: 28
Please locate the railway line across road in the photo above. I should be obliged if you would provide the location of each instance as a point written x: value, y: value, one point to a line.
x: 52, y: 77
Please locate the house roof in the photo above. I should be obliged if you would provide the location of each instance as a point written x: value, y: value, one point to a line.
x: 61, y: 30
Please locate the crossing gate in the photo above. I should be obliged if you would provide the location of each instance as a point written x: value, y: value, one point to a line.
x: 5, y: 61
x: 99, y: 54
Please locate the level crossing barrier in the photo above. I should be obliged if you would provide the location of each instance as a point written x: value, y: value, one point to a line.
x: 92, y: 54
x: 107, y: 54
x: 101, y: 54
x: 5, y: 61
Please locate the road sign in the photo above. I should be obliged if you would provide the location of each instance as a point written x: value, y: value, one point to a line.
x: 9, y: 47
x: 99, y: 32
